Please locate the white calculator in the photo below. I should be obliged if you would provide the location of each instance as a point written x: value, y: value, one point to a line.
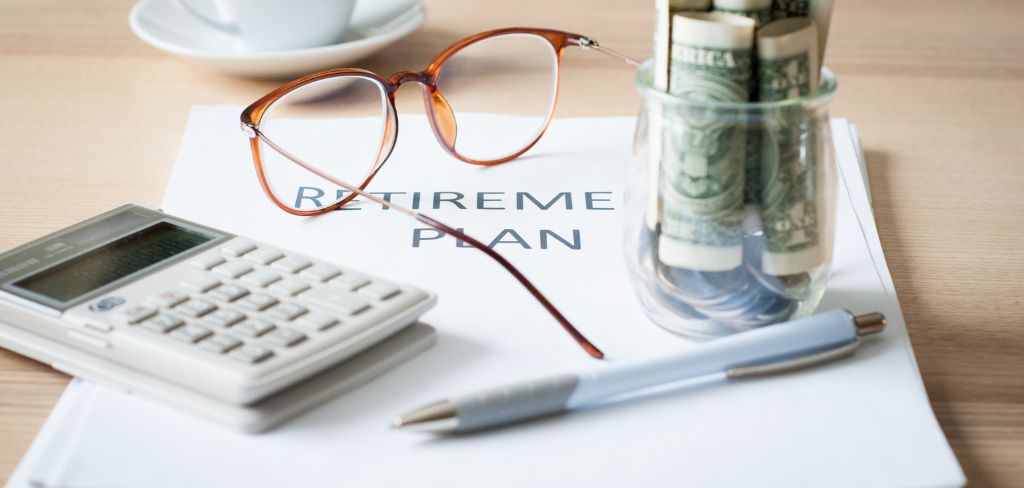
x: 136, y: 293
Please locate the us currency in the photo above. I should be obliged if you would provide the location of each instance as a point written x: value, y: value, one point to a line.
x: 787, y: 61
x: 759, y: 10
x: 818, y: 10
x: 704, y: 158
x: 663, y: 11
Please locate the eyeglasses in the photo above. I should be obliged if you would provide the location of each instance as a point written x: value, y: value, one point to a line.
x: 357, y: 108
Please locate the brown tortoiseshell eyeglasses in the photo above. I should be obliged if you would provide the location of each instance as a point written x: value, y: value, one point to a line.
x: 518, y: 66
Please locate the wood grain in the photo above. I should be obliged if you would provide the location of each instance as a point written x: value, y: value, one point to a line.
x: 90, y: 118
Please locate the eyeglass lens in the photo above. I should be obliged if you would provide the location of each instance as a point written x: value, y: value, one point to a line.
x: 515, y: 74
x: 336, y: 125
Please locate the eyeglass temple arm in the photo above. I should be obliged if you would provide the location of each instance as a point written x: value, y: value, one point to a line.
x: 587, y: 346
x: 588, y: 43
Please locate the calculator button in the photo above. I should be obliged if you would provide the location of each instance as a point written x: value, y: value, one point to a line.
x: 162, y: 323
x: 253, y: 327
x: 201, y: 284
x: 229, y: 293
x: 291, y: 264
x: 196, y: 308
x: 287, y: 311
x: 251, y: 353
x: 257, y: 301
x: 191, y: 333
x: 285, y: 337
x: 379, y: 291
x: 224, y: 317
x: 290, y: 287
x: 261, y: 278
x: 106, y: 304
x: 220, y: 344
x: 264, y: 256
x: 341, y: 301
x: 350, y: 281
x: 204, y: 263
x: 316, y: 321
x: 169, y: 298
x: 135, y: 314
x: 233, y: 269
x: 320, y: 272
x: 238, y: 247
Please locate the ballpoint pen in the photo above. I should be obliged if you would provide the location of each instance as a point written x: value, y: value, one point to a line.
x: 775, y: 349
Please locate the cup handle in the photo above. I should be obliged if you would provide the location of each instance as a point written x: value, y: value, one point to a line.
x: 221, y: 25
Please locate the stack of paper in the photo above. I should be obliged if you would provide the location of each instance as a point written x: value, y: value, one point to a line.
x: 864, y: 421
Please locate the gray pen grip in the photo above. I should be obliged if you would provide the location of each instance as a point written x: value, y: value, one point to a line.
x: 514, y: 403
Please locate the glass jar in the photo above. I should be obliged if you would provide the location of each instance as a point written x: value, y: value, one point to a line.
x: 730, y: 209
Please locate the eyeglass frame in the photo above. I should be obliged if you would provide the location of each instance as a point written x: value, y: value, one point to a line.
x: 559, y: 40
x: 441, y: 127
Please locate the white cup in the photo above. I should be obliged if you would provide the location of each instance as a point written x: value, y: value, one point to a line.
x: 270, y: 25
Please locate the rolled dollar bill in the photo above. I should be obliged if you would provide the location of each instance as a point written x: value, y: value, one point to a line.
x: 663, y: 11
x: 703, y: 157
x: 818, y: 10
x: 759, y: 10
x: 790, y: 177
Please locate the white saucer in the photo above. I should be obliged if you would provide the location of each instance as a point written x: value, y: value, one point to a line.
x: 375, y: 24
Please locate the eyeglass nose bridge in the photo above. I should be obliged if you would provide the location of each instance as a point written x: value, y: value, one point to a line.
x: 442, y: 118
x: 402, y: 77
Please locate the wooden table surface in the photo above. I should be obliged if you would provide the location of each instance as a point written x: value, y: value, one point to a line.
x: 90, y: 118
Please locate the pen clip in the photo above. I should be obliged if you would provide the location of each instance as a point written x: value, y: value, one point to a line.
x: 794, y: 364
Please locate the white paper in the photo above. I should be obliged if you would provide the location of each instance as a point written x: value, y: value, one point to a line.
x: 855, y: 140
x: 864, y: 421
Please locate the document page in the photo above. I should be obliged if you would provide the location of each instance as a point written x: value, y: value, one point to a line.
x: 557, y: 214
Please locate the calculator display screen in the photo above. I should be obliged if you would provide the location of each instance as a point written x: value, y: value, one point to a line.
x: 113, y: 261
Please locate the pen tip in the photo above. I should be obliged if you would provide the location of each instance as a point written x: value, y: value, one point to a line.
x: 439, y: 417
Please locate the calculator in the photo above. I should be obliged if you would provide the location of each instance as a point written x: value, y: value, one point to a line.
x: 138, y: 293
